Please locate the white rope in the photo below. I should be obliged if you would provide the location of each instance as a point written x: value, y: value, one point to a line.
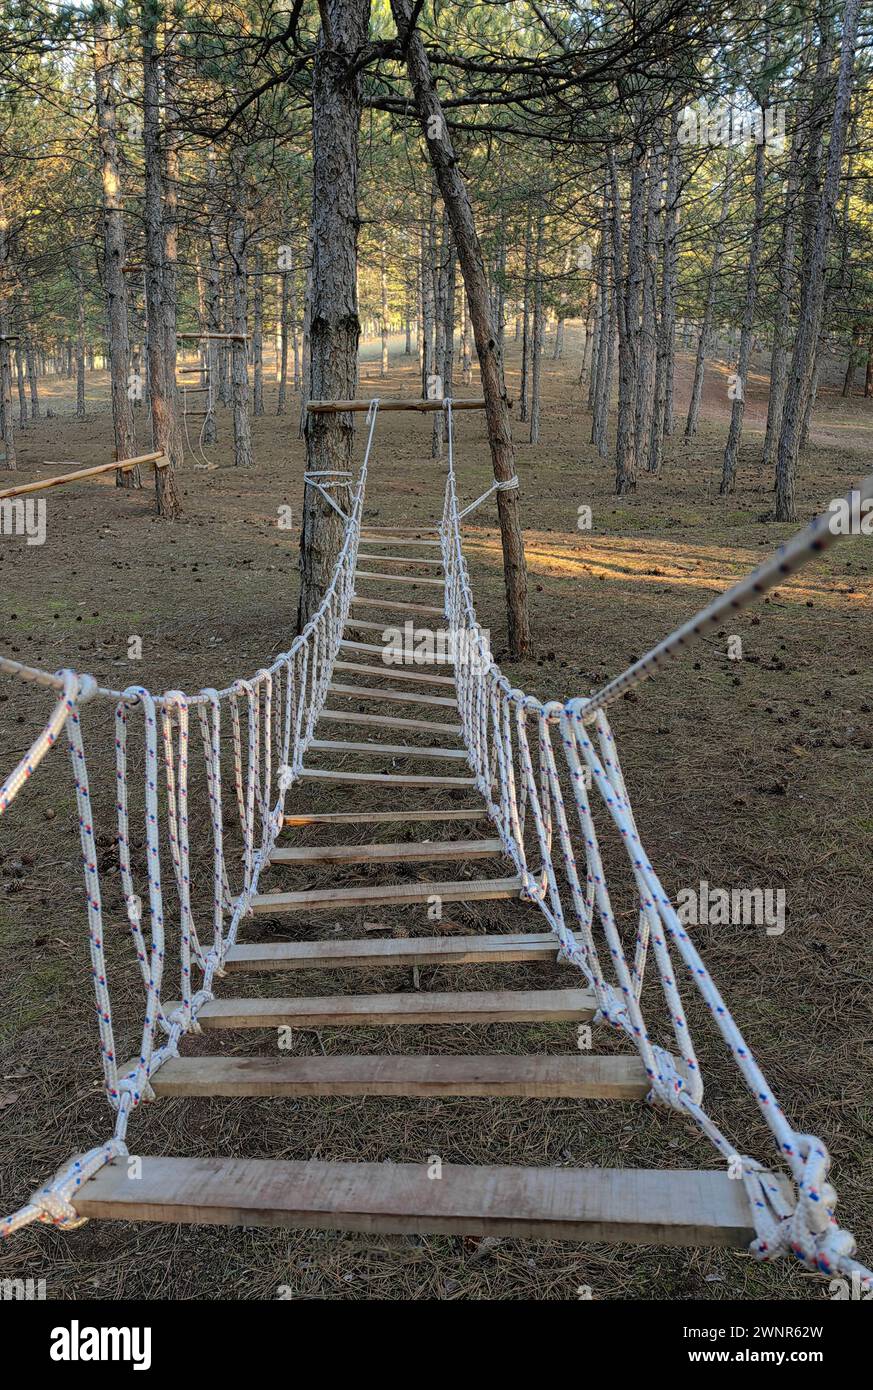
x: 502, y: 485
x: 279, y: 707
x: 333, y: 477
x: 544, y: 806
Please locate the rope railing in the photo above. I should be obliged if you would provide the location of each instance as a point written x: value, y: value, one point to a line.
x: 546, y: 796
x: 271, y: 719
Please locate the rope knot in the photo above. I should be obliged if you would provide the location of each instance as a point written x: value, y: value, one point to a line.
x: 53, y: 1202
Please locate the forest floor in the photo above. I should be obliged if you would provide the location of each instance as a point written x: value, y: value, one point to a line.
x: 751, y: 773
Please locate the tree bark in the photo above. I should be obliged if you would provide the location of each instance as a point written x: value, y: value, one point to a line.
x: 786, y: 274
x: 7, y: 432
x: 80, y: 339
x: 457, y: 203
x: 242, y: 430
x: 258, y: 336
x: 705, y: 334
x: 628, y: 284
x: 729, y: 463
x: 813, y: 283
x: 335, y: 328
x: 161, y: 400
x: 538, y: 326
x: 121, y: 389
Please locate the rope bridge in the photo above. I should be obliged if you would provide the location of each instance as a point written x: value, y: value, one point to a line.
x: 547, y: 773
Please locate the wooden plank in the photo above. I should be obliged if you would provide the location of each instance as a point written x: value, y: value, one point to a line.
x: 382, y: 817
x: 384, y: 1010
x: 380, y: 649
x: 401, y: 560
x: 340, y: 407
x: 380, y: 693
x: 371, y: 537
x: 398, y: 605
x: 361, y: 669
x: 579, y: 1077
x: 406, y: 851
x: 400, y: 578
x: 385, y: 779
x: 390, y: 951
x: 119, y: 465
x: 645, y: 1207
x: 392, y: 750
x: 386, y: 894
x: 389, y: 721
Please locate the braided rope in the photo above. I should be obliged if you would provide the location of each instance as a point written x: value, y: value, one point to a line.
x: 526, y: 800
x: 280, y: 707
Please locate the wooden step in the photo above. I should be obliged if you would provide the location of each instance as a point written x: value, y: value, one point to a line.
x: 579, y: 1077
x: 435, y: 562
x: 397, y: 606
x: 384, y: 779
x: 399, y: 578
x: 379, y: 693
x: 646, y: 1207
x: 382, y: 817
x: 370, y: 536
x: 381, y: 648
x: 384, y: 1010
x: 394, y: 671
x: 386, y: 895
x: 390, y: 951
x: 390, y: 721
x: 386, y: 750
x: 364, y: 626
x: 407, y: 851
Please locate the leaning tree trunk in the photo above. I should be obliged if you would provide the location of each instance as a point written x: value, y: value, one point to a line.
x: 334, y: 326
x: 161, y: 401
x: 122, y: 389
x: 457, y: 203
x: 729, y: 463
x: 813, y: 284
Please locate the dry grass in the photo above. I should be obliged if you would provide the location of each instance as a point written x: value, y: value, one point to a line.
x: 741, y: 773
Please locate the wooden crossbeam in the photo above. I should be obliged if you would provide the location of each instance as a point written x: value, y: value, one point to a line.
x: 338, y: 407
x: 403, y: 852
x: 383, y: 1010
x: 640, y: 1206
x: 157, y: 460
x: 578, y: 1077
x: 380, y: 952
x: 386, y: 895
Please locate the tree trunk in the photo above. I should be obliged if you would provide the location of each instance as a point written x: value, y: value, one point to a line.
x: 428, y: 306
x: 703, y: 340
x: 813, y: 283
x: 80, y: 340
x: 785, y: 273
x: 383, y: 308
x: 538, y: 326
x: 161, y: 401
x: 729, y: 463
x: 20, y: 379
x: 242, y: 430
x: 628, y: 283
x: 524, y: 404
x: 335, y: 328
x: 258, y: 335
x: 306, y: 369
x: 7, y: 432
x: 648, y: 340
x: 457, y: 203
x: 122, y: 389
x: 32, y: 377
x: 282, y: 296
